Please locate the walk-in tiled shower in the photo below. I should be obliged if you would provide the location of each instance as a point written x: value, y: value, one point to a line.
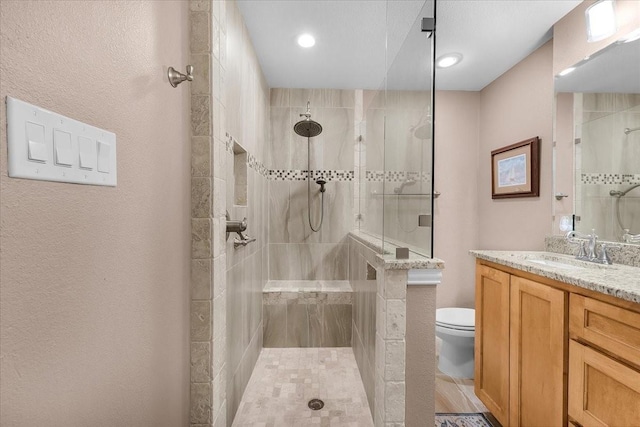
x: 297, y: 314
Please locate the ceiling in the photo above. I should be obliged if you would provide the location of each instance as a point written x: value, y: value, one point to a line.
x: 492, y: 35
x: 615, y: 69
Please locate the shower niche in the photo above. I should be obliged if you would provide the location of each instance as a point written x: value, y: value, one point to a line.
x: 239, y: 175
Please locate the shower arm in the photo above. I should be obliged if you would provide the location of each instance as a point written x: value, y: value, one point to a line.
x: 627, y: 131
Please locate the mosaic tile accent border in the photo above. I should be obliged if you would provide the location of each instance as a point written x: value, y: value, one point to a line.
x: 257, y: 165
x: 396, y: 176
x: 301, y: 175
x: 252, y: 160
x: 610, y: 178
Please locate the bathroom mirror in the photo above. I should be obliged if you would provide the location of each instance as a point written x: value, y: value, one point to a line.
x: 597, y: 144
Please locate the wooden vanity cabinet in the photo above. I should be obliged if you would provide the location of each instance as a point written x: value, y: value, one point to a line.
x: 520, y: 349
x: 537, y: 356
x: 491, y: 357
x: 552, y: 354
x: 604, y: 353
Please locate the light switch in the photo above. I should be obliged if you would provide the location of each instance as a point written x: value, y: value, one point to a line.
x: 48, y: 146
x: 103, y: 156
x: 87, y: 149
x: 35, y: 139
x: 62, y: 148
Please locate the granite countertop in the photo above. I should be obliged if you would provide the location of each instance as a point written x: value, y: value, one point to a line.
x: 389, y: 261
x: 621, y: 281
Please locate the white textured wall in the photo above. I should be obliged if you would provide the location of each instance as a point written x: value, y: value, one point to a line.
x: 94, y: 281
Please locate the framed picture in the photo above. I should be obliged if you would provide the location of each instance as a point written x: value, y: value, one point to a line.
x: 515, y: 170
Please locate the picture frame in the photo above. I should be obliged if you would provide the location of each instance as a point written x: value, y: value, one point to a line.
x: 515, y: 170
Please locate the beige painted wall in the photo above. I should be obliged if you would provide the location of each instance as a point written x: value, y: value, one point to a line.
x: 456, y: 210
x: 94, y: 284
x: 421, y: 356
x: 514, y: 107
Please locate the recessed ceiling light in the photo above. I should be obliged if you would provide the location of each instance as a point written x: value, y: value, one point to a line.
x: 306, y: 40
x: 448, y: 60
x: 566, y: 71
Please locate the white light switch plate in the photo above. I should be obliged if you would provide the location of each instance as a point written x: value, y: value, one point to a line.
x: 67, y: 150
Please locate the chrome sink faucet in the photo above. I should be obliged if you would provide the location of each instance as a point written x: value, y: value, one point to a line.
x: 588, y: 247
x: 593, y: 240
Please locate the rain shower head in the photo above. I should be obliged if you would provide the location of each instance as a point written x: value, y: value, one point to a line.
x: 307, y: 127
x: 422, y: 131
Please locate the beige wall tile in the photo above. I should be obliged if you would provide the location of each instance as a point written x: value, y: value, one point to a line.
x: 200, y: 362
x: 199, y: 34
x: 200, y: 403
x: 395, y: 284
x: 200, y: 197
x: 200, y: 238
x: 201, y: 84
x: 200, y: 320
x: 199, y: 5
x: 201, y: 156
x: 396, y: 319
x: 394, y: 369
x: 201, y: 279
x: 201, y: 115
x: 394, y: 397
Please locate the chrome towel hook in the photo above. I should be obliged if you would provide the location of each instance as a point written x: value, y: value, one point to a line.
x: 176, y: 77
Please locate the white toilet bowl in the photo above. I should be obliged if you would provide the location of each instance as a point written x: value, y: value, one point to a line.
x: 456, y: 328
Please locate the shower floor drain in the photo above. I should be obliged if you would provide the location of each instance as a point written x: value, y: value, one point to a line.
x: 316, y: 404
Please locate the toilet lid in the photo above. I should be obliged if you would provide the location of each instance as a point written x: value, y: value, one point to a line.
x: 458, y: 318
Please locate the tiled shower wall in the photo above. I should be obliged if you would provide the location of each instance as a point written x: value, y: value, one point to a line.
x: 229, y: 103
x: 402, y: 118
x: 208, y: 296
x: 605, y: 162
x: 246, y: 112
x: 363, y: 275
x: 295, y: 252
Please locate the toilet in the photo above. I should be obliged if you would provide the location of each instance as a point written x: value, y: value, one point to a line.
x: 456, y: 327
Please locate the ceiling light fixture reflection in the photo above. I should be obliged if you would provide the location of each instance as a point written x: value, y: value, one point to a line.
x: 601, y: 20
x: 567, y: 71
x: 448, y: 60
x: 306, y: 40
x: 631, y: 37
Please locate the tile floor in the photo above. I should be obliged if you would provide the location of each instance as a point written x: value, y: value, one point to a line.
x: 285, y: 379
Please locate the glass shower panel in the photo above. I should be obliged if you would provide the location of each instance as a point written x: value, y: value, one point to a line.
x: 407, y: 183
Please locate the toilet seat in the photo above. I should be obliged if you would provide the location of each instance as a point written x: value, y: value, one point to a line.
x: 463, y: 319
x: 456, y: 327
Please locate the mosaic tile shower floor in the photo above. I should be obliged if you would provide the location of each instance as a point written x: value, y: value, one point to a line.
x: 285, y: 379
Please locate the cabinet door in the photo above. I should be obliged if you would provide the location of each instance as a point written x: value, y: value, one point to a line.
x: 611, y: 328
x: 538, y: 354
x: 492, y: 341
x: 602, y: 392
